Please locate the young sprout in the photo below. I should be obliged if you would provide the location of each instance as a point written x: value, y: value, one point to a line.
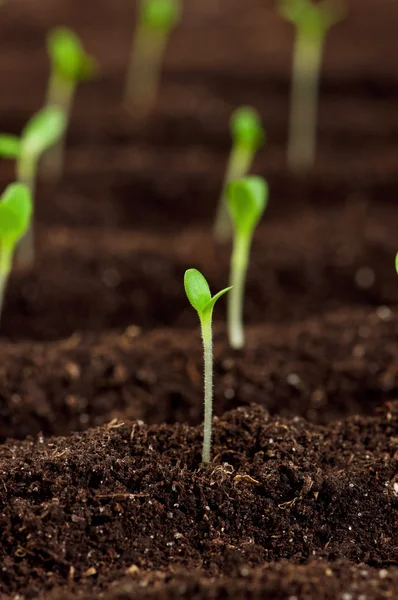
x: 312, y: 22
x: 247, y: 199
x: 396, y: 262
x: 199, y: 295
x: 69, y: 65
x: 156, y: 20
x: 43, y: 130
x: 248, y: 136
x: 15, y: 215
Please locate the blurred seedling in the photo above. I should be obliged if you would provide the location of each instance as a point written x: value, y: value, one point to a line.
x: 247, y: 199
x: 248, y: 136
x: 198, y: 292
x: 43, y: 130
x: 15, y: 216
x: 70, y: 64
x: 156, y: 20
x: 312, y: 22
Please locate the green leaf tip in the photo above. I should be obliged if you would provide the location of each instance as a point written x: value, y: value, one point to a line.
x: 314, y: 19
x: 68, y: 56
x: 43, y: 130
x: 396, y: 262
x: 246, y: 128
x: 197, y: 289
x: 16, y: 209
x: 10, y: 146
x: 247, y: 199
x: 198, y: 292
x: 160, y: 15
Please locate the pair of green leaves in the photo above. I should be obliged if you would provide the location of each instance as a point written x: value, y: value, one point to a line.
x: 198, y: 291
x: 314, y: 20
x: 43, y: 130
x: 247, y: 199
x: 68, y: 57
x: 15, y: 214
x: 160, y: 15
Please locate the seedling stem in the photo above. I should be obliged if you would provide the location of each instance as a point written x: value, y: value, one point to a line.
x: 304, y: 103
x: 239, y: 264
x: 246, y: 200
x: 207, y: 338
x: 70, y: 64
x: 156, y: 20
x: 26, y: 174
x: 60, y: 93
x: 5, y: 268
x: 312, y: 22
x: 199, y: 295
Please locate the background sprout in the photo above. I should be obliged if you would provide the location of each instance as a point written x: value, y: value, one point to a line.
x: 198, y: 292
x: 248, y: 136
x: 247, y: 199
x: 15, y: 215
x: 396, y: 262
x: 10, y: 146
x: 156, y: 20
x: 43, y: 130
x: 312, y: 22
x: 69, y: 65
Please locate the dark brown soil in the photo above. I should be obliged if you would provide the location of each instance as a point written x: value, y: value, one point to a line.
x: 321, y: 368
x: 303, y: 264
x: 99, y: 345
x: 127, y: 494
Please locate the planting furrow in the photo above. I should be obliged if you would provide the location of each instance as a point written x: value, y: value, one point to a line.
x: 95, y: 279
x: 323, y: 368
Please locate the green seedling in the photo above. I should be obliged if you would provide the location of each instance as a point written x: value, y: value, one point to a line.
x: 156, y: 20
x: 396, y: 262
x: 248, y: 136
x: 70, y: 64
x: 199, y: 295
x: 15, y: 216
x: 247, y: 199
x: 43, y: 130
x: 312, y: 22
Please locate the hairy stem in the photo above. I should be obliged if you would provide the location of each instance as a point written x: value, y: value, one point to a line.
x: 304, y: 102
x: 239, y: 263
x: 207, y: 338
x: 238, y: 166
